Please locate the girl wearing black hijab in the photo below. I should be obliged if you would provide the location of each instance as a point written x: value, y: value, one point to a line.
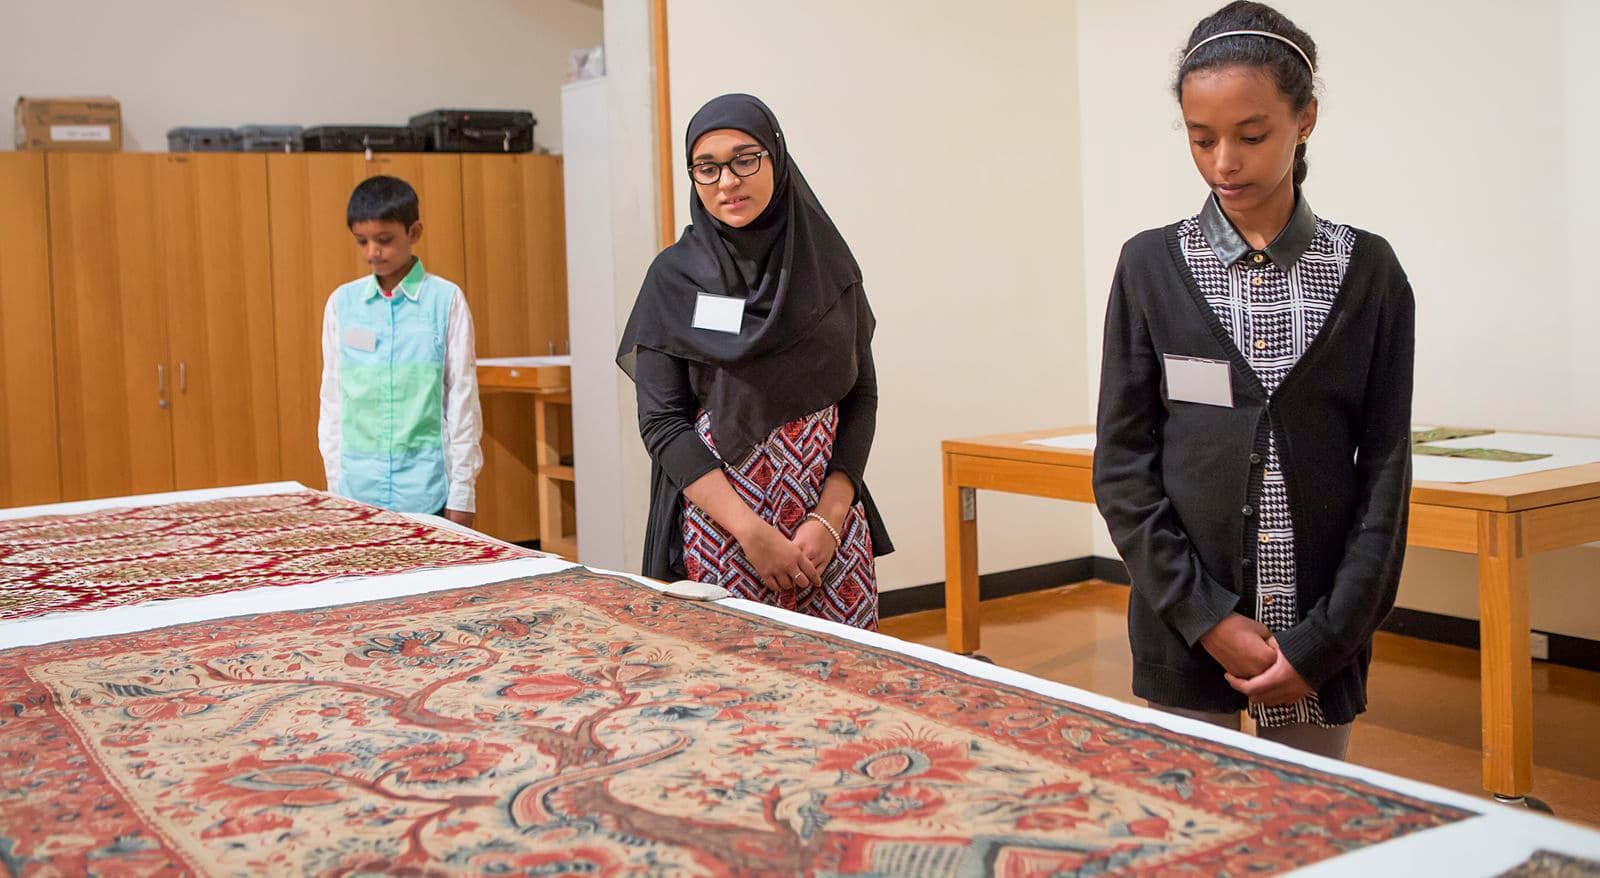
x: 751, y: 348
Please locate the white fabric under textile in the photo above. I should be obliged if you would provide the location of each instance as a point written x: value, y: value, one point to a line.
x: 82, y: 506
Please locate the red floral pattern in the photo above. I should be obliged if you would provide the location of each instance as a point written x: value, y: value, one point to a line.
x: 581, y: 722
x: 58, y: 563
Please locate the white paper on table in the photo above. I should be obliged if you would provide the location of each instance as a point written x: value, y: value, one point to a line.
x: 1564, y: 451
x: 1074, y: 442
x: 527, y: 362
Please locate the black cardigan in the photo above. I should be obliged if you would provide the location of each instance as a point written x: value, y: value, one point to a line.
x: 668, y: 403
x: 1178, y: 482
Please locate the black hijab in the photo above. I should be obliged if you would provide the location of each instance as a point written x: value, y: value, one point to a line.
x: 806, y: 323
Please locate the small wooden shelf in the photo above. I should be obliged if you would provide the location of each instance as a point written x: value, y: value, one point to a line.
x: 558, y: 473
x: 529, y: 375
x: 548, y: 380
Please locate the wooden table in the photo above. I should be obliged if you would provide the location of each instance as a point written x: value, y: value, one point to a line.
x: 1503, y: 522
x: 549, y: 381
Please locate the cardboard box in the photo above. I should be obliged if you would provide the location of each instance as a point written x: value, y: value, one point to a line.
x: 78, y: 124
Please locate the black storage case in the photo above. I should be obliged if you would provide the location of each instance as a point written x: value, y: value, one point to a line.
x: 360, y: 138
x: 271, y: 138
x: 475, y: 130
x: 191, y: 139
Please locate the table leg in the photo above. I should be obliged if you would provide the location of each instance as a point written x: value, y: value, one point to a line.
x: 1506, y: 656
x: 547, y: 454
x: 961, y: 568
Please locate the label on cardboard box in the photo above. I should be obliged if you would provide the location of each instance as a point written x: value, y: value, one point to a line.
x: 80, y: 133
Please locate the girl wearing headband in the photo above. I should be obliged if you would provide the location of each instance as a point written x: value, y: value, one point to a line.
x: 1253, y: 459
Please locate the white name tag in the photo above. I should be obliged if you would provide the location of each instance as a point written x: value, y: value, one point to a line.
x: 1193, y: 379
x: 360, y: 339
x: 718, y: 313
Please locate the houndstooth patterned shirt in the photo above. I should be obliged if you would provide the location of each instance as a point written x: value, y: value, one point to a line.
x: 1272, y: 303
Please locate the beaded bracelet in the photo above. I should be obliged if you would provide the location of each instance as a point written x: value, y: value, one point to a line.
x: 833, y: 532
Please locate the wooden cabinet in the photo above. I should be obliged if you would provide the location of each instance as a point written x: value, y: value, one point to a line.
x: 218, y: 268
x: 516, y: 278
x: 516, y: 284
x: 313, y: 253
x: 30, y: 461
x: 164, y: 352
x: 113, y: 379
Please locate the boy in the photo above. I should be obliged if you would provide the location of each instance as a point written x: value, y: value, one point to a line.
x: 400, y: 421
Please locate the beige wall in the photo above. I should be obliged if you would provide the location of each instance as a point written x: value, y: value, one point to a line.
x: 193, y: 62
x: 1467, y: 139
x: 942, y: 140
x: 610, y: 247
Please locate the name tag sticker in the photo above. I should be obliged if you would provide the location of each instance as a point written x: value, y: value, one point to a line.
x: 360, y: 339
x: 718, y: 313
x: 1193, y: 379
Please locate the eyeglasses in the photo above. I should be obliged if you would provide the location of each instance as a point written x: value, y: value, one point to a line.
x: 710, y: 173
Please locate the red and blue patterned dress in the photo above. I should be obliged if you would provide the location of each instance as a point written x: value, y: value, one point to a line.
x: 781, y: 479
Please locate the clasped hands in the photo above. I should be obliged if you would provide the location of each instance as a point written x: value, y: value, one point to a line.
x: 784, y: 563
x: 1255, y: 666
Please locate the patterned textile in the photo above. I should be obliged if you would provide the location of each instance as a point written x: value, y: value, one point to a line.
x: 1549, y: 864
x: 57, y: 563
x: 1440, y: 434
x: 576, y: 723
x: 1498, y: 454
x: 782, y: 480
x: 1273, y: 316
x: 1420, y: 440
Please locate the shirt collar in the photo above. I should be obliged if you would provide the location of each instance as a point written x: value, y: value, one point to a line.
x: 1284, y: 251
x: 409, y: 286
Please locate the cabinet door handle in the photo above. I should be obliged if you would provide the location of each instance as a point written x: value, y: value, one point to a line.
x: 161, y: 385
x: 183, y: 377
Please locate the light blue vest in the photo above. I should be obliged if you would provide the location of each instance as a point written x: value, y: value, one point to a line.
x: 392, y: 417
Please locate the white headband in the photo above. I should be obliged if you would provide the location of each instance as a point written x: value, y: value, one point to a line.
x: 1257, y: 33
